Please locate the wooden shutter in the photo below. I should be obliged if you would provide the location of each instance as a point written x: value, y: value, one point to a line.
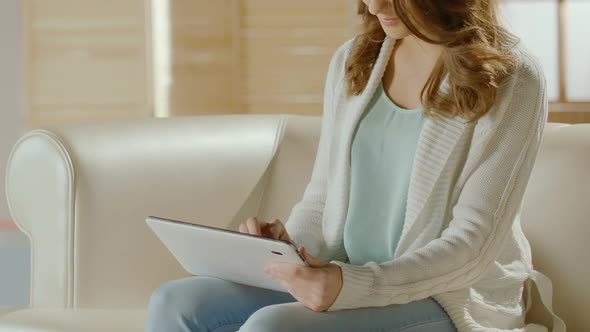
x: 254, y: 56
x: 86, y: 61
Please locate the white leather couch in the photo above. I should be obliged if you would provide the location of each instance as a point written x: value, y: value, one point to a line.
x: 81, y: 194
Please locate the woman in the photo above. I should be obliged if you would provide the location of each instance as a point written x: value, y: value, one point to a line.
x: 431, y: 125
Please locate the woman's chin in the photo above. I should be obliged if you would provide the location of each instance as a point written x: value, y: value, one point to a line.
x: 396, y: 32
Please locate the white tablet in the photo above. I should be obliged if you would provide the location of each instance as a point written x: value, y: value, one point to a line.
x: 222, y: 253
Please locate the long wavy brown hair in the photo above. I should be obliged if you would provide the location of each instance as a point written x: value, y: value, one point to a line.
x: 476, y: 55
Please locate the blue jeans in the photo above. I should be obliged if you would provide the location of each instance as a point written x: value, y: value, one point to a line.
x: 205, y: 304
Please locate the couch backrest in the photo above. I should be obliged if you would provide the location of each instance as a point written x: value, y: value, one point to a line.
x: 81, y: 193
x: 556, y: 220
x: 291, y: 168
x: 91, y: 187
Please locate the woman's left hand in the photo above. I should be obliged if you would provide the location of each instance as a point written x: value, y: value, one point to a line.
x: 315, y: 286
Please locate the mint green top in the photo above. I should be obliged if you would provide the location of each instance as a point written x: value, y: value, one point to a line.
x: 382, y: 154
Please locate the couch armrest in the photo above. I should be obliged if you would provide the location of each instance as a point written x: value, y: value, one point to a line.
x: 5, y: 310
x: 81, y: 195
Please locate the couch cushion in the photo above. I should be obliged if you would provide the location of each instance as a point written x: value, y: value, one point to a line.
x: 555, y: 217
x: 73, y: 320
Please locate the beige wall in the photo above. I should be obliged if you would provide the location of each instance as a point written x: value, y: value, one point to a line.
x: 11, y: 87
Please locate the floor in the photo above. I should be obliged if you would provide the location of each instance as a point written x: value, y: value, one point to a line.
x: 15, y: 269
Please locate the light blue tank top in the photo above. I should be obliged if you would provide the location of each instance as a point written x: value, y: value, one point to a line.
x: 382, y: 154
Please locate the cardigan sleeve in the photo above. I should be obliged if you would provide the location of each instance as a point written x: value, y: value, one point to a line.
x: 304, y: 224
x: 481, y: 218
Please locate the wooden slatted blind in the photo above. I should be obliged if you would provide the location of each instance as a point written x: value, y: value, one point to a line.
x: 202, y: 57
x: 93, y: 60
x: 254, y: 56
x: 86, y: 61
x: 286, y: 49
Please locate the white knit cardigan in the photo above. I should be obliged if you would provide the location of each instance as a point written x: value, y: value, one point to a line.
x: 462, y: 242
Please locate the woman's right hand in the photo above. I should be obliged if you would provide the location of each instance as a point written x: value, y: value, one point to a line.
x: 272, y: 230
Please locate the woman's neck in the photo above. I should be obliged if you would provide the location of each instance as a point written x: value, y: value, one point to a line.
x: 408, y: 70
x: 417, y: 53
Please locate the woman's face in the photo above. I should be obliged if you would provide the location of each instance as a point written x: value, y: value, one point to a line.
x: 391, y: 24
